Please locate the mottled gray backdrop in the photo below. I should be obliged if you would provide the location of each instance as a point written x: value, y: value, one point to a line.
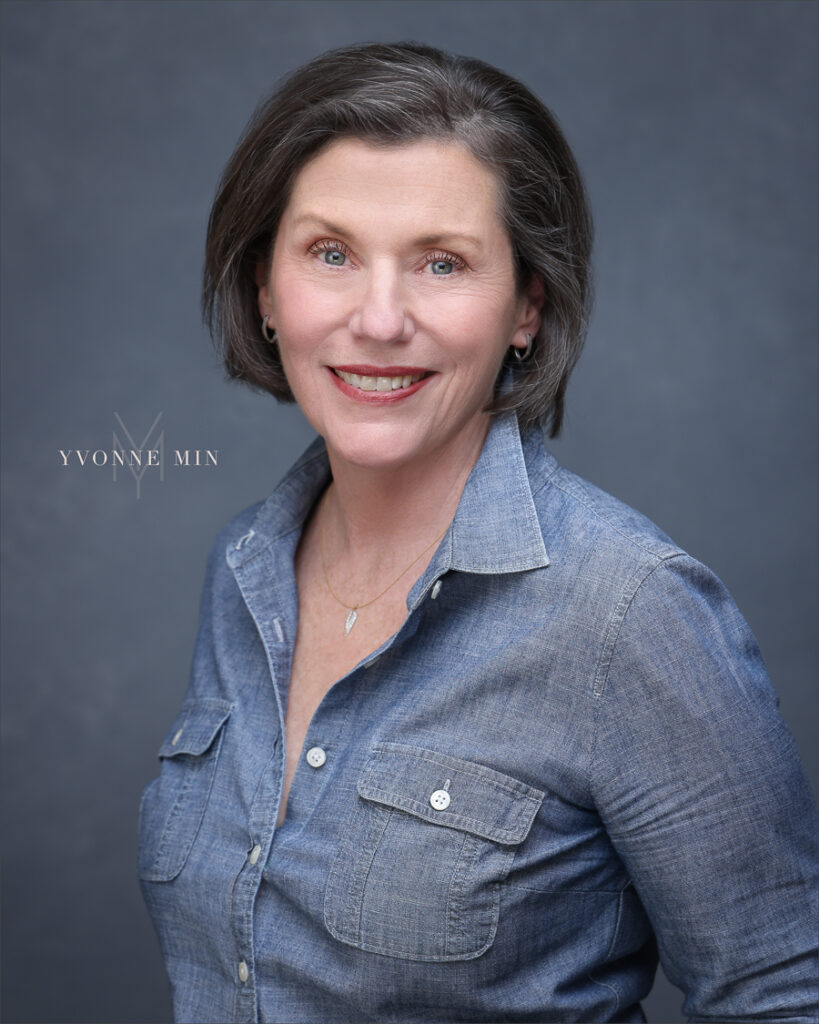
x: 695, y: 124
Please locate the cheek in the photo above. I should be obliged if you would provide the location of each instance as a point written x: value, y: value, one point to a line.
x: 477, y: 332
x: 302, y: 313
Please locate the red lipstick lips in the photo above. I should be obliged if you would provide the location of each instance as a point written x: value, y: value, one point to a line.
x: 374, y: 397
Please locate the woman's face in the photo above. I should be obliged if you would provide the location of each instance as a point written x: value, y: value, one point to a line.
x: 392, y: 290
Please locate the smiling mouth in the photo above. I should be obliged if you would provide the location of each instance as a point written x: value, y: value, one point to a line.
x: 366, y: 382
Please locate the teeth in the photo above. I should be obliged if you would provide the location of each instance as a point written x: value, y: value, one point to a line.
x: 363, y: 383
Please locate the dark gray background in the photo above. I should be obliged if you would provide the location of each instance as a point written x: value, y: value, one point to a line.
x: 695, y: 124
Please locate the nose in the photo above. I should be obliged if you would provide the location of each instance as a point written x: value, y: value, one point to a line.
x: 380, y: 313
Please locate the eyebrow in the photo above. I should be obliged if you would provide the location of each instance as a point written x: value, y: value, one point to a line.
x: 438, y: 238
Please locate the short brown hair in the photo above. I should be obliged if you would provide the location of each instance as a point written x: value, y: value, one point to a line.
x: 400, y: 93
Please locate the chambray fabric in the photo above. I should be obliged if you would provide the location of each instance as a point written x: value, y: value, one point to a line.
x: 620, y: 782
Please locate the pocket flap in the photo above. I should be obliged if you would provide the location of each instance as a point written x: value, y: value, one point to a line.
x: 195, y: 727
x: 482, y: 801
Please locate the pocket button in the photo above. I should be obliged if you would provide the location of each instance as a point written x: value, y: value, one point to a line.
x: 440, y: 799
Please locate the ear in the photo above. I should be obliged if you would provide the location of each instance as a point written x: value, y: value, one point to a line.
x: 530, y: 315
x: 263, y: 299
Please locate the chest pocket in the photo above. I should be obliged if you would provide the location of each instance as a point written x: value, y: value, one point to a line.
x: 417, y: 874
x: 173, y: 805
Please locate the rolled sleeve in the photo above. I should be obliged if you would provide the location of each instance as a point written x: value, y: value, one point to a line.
x: 701, y: 788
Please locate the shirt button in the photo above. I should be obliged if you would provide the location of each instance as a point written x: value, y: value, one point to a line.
x: 254, y: 853
x: 440, y: 799
x: 243, y: 971
x: 436, y: 589
x: 176, y: 737
x: 316, y: 757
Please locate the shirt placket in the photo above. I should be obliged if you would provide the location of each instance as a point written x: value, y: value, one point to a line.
x: 268, y: 588
x: 268, y: 605
x: 261, y: 829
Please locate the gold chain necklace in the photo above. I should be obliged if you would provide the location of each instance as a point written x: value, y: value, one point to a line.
x: 352, y: 610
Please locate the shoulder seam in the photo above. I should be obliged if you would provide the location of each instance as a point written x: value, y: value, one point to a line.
x: 615, y: 624
x: 613, y: 526
x: 635, y: 582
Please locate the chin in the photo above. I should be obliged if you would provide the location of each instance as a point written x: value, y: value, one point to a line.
x: 372, y: 447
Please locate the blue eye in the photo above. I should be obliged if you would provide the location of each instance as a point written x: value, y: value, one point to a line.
x: 334, y: 258
x: 441, y: 267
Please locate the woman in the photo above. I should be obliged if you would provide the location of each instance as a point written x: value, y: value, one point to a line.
x: 465, y: 738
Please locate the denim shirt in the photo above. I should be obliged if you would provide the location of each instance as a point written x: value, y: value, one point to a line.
x: 568, y: 759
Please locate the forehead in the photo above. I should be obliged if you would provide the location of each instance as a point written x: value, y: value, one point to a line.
x: 428, y: 176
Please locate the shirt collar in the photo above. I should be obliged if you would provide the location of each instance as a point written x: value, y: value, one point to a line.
x: 495, y: 528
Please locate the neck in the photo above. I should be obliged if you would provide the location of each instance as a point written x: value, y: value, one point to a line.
x: 401, y: 509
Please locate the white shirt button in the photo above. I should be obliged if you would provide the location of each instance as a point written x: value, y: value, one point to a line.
x: 316, y: 757
x: 243, y: 971
x: 440, y: 799
x: 176, y: 737
x: 254, y: 853
x: 436, y: 589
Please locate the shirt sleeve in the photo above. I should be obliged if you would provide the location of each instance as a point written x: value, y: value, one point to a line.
x: 700, y: 786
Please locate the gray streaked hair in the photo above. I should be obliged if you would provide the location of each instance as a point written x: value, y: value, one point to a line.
x: 397, y: 94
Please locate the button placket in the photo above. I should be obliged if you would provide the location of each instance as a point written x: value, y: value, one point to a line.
x: 260, y: 831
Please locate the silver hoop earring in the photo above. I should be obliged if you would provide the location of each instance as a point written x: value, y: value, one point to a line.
x: 273, y: 337
x: 523, y: 354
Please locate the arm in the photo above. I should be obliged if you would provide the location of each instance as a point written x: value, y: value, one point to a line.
x: 699, y: 783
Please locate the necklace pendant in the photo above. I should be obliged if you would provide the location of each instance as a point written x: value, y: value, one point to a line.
x: 349, y: 622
